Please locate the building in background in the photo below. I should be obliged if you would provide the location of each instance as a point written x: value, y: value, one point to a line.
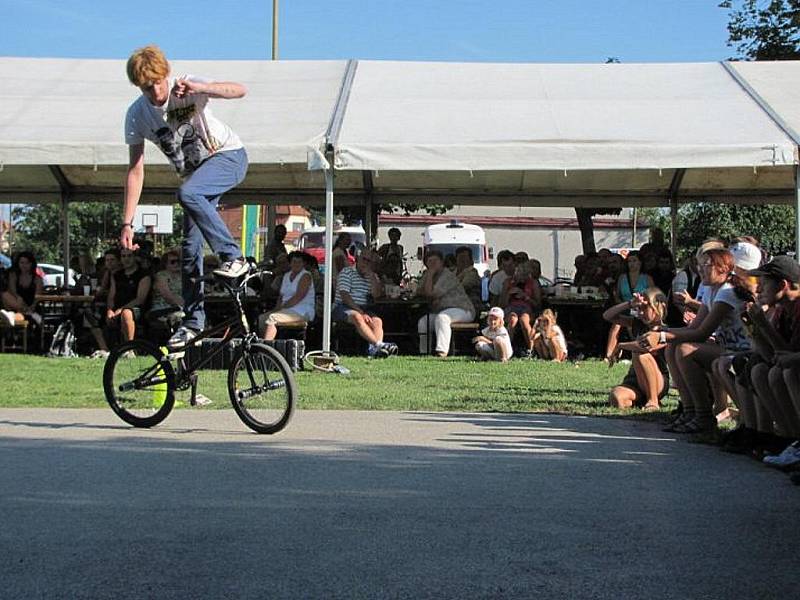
x: 248, y: 224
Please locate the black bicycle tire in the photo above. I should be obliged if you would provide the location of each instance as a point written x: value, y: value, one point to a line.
x: 288, y: 377
x: 110, y: 393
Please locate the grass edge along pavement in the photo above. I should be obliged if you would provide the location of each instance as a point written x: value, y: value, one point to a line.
x: 399, y: 383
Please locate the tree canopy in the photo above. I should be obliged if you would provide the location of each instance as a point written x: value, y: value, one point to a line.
x: 760, y: 30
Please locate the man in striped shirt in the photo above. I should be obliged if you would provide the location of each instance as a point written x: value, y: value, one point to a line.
x: 354, y: 286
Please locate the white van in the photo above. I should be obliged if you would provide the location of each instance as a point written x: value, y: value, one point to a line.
x: 448, y: 237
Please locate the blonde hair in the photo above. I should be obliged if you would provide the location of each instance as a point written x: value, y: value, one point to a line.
x: 658, y: 300
x: 147, y: 65
x: 549, y: 316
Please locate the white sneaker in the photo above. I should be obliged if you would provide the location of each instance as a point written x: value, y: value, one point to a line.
x: 786, y: 459
x: 202, y: 400
x: 99, y: 354
x: 233, y: 269
x: 7, y: 318
x: 180, y: 338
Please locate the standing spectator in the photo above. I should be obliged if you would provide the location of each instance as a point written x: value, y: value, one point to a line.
x: 276, y: 247
x: 354, y: 288
x: 448, y: 301
x: 391, y: 255
x: 494, y: 343
x: 296, y: 298
x: 128, y: 296
x: 664, y: 272
x: 647, y: 381
x: 23, y: 286
x: 549, y: 341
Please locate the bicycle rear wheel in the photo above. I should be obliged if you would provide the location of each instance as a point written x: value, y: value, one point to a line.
x: 262, y: 388
x: 139, y: 384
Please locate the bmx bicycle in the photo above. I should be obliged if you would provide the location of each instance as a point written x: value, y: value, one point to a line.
x: 140, y: 379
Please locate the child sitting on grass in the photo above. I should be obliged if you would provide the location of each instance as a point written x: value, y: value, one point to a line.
x: 548, y: 338
x: 494, y: 343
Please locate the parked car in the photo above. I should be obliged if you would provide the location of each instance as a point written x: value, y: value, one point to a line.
x: 53, y: 275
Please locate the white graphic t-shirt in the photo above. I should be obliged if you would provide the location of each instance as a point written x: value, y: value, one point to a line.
x: 183, y: 128
x: 731, y: 332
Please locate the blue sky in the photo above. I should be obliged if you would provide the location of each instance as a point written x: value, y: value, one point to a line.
x: 453, y: 30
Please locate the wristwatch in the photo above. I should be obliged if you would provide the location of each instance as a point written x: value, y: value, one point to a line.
x: 127, y: 225
x: 662, y: 337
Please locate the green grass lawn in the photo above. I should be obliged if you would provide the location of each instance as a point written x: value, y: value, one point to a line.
x: 401, y: 383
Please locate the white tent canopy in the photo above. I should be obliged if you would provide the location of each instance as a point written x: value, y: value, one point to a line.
x: 519, y: 134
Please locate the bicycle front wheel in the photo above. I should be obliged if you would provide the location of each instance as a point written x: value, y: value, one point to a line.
x: 262, y: 388
x: 139, y: 384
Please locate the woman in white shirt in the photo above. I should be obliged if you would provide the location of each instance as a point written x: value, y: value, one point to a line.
x: 296, y: 299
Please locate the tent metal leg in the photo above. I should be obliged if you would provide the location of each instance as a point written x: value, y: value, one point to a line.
x: 328, y: 296
x: 65, y: 229
x: 797, y: 212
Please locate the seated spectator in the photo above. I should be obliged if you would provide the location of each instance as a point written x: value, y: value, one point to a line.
x: 549, y: 342
x: 647, y: 381
x: 521, y: 257
x: 295, y: 300
x: 494, y: 343
x: 448, y: 301
x: 167, y: 299
x: 664, y: 272
x: 23, y: 286
x: 468, y: 277
x: 522, y: 300
x: 632, y: 281
x: 763, y: 388
x: 278, y: 271
x: 128, y: 296
x: 593, y: 274
x: 355, y: 287
x: 615, y: 266
x: 690, y: 353
x: 95, y: 316
x: 580, y: 267
x: 341, y: 254
x: 312, y: 266
x: 505, y: 269
x: 687, y: 285
x: 7, y: 317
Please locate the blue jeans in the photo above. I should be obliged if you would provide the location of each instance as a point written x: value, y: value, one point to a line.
x: 199, y: 196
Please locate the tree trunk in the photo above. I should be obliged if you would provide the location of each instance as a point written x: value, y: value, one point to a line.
x: 587, y: 229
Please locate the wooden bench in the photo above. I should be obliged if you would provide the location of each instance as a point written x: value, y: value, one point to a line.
x: 295, y: 330
x: 20, y: 328
x: 462, y: 331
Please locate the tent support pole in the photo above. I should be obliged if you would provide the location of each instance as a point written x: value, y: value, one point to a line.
x: 328, y: 283
x: 635, y: 217
x: 66, y: 193
x: 369, y: 206
x: 797, y: 212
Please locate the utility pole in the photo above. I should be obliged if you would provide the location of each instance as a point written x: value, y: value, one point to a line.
x: 274, y: 29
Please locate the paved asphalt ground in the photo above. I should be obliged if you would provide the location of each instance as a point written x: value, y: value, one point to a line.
x: 385, y: 505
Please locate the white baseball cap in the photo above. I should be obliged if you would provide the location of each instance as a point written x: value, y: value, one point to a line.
x: 746, y: 256
x: 497, y: 312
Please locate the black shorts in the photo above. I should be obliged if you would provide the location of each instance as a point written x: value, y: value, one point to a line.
x: 632, y: 383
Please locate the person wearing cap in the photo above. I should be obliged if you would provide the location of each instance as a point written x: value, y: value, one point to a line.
x: 691, y: 352
x: 775, y: 322
x: 494, y: 343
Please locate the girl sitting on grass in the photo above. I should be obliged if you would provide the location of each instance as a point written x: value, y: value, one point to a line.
x: 494, y: 343
x: 548, y: 338
x: 647, y: 381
